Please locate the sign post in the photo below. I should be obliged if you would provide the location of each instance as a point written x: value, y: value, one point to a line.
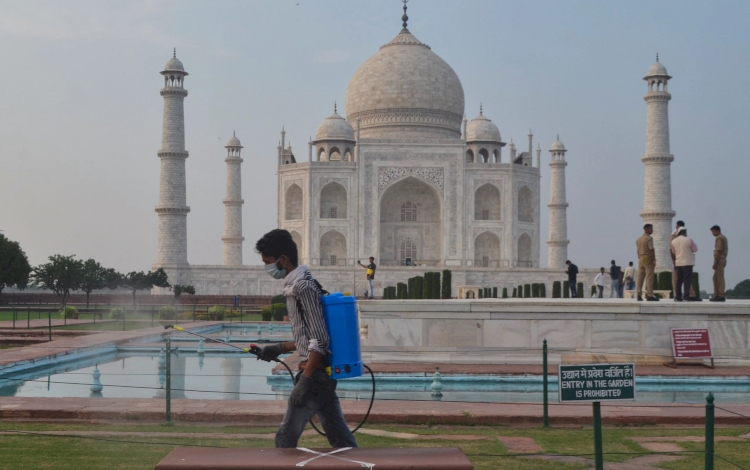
x: 690, y: 343
x: 596, y: 383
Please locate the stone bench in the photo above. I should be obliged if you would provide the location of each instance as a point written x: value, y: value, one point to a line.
x: 432, y: 458
x: 631, y: 294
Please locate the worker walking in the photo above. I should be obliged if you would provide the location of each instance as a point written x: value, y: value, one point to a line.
x: 721, y: 249
x: 646, y: 263
x: 314, y: 393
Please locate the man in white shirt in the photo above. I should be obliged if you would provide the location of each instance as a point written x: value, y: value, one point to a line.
x: 599, y: 281
x: 629, y: 279
x: 683, y: 255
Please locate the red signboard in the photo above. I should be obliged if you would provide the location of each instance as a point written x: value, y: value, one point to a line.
x: 691, y: 343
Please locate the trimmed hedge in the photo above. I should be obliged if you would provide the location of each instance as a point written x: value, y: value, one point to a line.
x: 505, y: 292
x: 217, y: 311
x: 556, y: 290
x: 266, y: 313
x: 579, y: 288
x: 447, y: 286
x: 593, y: 291
x: 697, y: 285
x: 535, y: 290
x: 167, y: 313
x: 278, y: 299
x: 117, y: 313
x: 527, y: 291
x: 566, y: 290
x: 665, y: 280
x: 520, y: 292
x: 400, y: 291
x: 494, y: 292
x: 543, y: 290
x: 69, y: 312
x: 515, y: 293
x: 279, y: 310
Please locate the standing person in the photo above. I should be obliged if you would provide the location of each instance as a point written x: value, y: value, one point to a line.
x: 629, y: 277
x: 680, y: 224
x: 646, y: 263
x: 599, y: 281
x: 370, y: 275
x: 620, y: 285
x: 721, y: 250
x: 614, y: 274
x: 683, y: 256
x: 572, y: 272
x: 314, y: 392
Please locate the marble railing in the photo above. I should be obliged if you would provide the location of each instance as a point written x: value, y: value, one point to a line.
x: 576, y: 330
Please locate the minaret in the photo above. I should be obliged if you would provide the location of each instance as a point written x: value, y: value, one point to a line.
x: 172, y: 209
x: 557, y: 243
x: 657, y: 196
x: 233, y: 205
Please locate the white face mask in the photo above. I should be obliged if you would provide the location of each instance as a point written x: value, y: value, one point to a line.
x: 275, y: 272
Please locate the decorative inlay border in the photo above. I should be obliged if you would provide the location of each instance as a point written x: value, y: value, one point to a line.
x: 389, y: 175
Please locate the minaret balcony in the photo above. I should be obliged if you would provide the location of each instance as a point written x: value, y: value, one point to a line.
x: 657, y: 158
x: 172, y: 210
x: 657, y: 96
x: 173, y: 91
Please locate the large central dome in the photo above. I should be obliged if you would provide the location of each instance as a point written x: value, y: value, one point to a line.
x: 405, y: 91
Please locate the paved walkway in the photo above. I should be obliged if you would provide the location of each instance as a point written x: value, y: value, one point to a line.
x: 405, y: 412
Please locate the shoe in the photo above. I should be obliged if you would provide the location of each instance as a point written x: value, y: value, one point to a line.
x: 677, y: 300
x: 695, y: 299
x: 640, y: 299
x: 722, y: 299
x: 652, y: 299
x: 716, y: 299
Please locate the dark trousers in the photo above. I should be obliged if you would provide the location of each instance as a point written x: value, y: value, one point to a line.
x: 323, y: 402
x: 573, y: 291
x: 684, y: 281
x: 601, y: 291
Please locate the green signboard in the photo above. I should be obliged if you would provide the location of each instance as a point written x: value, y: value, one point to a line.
x: 596, y: 382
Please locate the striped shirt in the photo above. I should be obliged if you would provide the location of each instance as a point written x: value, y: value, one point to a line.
x: 307, y: 324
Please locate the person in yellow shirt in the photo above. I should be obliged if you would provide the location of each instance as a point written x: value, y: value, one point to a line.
x: 370, y: 276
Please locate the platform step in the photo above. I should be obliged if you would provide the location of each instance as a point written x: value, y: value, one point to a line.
x: 432, y: 458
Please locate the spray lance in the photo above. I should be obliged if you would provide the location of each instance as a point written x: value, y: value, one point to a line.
x: 341, y: 319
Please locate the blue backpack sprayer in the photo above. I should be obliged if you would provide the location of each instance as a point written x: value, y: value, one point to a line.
x: 342, y: 323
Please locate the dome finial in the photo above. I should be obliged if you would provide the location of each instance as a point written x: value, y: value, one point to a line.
x: 657, y: 57
x: 174, y: 54
x: 405, y: 18
x: 334, y: 107
x: 234, y: 133
x: 558, y: 136
x: 480, y: 109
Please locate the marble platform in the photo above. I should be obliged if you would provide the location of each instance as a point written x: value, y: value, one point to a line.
x: 511, y: 331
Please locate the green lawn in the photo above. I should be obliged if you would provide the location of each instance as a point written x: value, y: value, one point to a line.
x: 42, y: 452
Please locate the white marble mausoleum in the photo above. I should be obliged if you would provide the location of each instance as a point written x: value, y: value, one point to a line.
x: 401, y: 175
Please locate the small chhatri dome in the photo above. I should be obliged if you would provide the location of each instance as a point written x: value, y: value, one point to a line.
x: 233, y: 141
x: 174, y: 64
x: 482, y: 129
x: 557, y: 146
x: 657, y: 70
x: 334, y: 128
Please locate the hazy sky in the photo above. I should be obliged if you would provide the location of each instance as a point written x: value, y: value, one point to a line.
x: 80, y: 110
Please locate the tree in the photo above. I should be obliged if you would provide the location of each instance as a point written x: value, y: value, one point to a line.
x: 179, y: 289
x: 14, y: 265
x: 93, y: 277
x: 135, y: 281
x: 741, y: 290
x: 61, y: 275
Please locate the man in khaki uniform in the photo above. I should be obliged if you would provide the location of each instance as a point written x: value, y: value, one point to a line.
x: 680, y: 224
x: 720, y: 262
x: 646, y: 263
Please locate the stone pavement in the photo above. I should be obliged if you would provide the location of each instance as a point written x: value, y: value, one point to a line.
x: 385, y: 411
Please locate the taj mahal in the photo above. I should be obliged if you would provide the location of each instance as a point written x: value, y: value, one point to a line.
x: 402, y: 176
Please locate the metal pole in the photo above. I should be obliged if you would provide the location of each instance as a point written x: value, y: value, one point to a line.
x: 545, y: 419
x: 28, y: 317
x: 49, y: 320
x: 168, y: 385
x: 598, y: 457
x: 123, y: 319
x: 709, y: 432
x: 240, y: 313
x: 152, y: 315
x: 193, y: 313
x: 14, y: 318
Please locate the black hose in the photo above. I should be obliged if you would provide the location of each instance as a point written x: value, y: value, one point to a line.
x: 291, y: 374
